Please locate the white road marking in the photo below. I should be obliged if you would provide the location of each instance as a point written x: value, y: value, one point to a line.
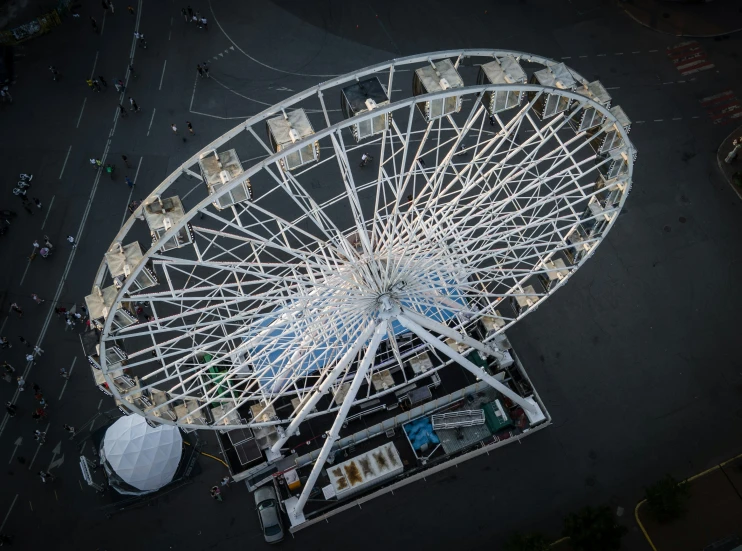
x: 69, y: 373
x: 95, y: 62
x: 652, y: 51
x: 163, y: 74
x: 131, y: 192
x: 65, y: 162
x: 48, y: 210
x: 16, y: 444
x: 103, y: 25
x: 38, y: 448
x: 28, y: 265
x: 243, y: 52
x: 151, y: 121
x: 8, y: 514
x: 658, y: 120
x: 84, y: 101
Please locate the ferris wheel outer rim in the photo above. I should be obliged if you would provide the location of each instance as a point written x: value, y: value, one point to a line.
x: 323, y: 133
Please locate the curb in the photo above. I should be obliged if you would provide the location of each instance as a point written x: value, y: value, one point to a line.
x: 689, y: 479
x: 719, y: 160
x: 679, y: 35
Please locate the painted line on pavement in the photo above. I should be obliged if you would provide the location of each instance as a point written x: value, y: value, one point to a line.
x: 151, y: 120
x: 95, y: 62
x: 48, y: 210
x: 39, y: 447
x: 131, y: 192
x: 84, y: 101
x: 65, y: 162
x: 28, y: 265
x: 8, y: 514
x: 103, y: 24
x: 69, y: 374
x: 163, y: 74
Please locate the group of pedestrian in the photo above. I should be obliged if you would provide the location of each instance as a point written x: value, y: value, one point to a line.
x: 194, y: 17
x: 174, y: 128
x: 203, y: 69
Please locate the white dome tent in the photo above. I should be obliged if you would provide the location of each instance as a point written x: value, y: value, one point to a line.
x: 141, y: 457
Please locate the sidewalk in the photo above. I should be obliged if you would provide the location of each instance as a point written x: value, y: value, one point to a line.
x: 713, y: 512
x: 736, y: 165
x: 705, y: 19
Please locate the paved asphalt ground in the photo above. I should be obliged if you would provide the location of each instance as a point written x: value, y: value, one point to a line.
x: 636, y: 358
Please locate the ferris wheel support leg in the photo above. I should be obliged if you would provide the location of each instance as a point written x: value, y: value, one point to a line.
x: 323, y: 388
x: 455, y: 335
x: 296, y: 511
x: 466, y: 364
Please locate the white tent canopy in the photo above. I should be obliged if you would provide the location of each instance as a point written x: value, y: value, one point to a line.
x: 142, y: 456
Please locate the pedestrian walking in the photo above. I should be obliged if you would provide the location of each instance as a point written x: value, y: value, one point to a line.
x: 5, y: 95
x: 63, y: 373
x: 30, y: 358
x: 24, y: 341
x: 36, y: 298
x: 122, y: 111
x: 190, y: 128
x: 37, y: 350
x: 195, y: 19
x: 37, y: 390
x: 9, y: 369
x: 94, y: 163
x: 131, y: 71
x: 94, y: 23
x: 44, y: 475
x: 96, y: 85
x: 175, y: 128
x: 204, y: 24
x: 216, y: 493
x: 71, y: 241
x: 190, y: 11
x: 55, y: 73
x: 225, y: 482
x: 126, y: 161
x: 69, y: 323
x: 78, y: 316
x: 39, y: 414
x: 37, y: 202
x: 11, y: 408
x: 84, y: 310
x: 119, y: 84
x: 21, y: 383
x: 69, y: 429
x: 134, y: 106
x: 140, y: 37
x: 206, y: 70
x: 90, y: 83
x: 36, y: 244
x: 47, y: 243
x: 184, y: 13
x: 5, y: 343
x: 17, y: 309
x: 102, y: 81
x: 131, y: 10
x: 105, y: 4
x: 200, y: 70
x: 129, y: 182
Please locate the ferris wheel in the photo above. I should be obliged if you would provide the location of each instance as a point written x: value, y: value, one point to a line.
x: 345, y: 229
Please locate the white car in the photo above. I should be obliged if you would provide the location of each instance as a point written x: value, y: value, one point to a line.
x: 269, y: 514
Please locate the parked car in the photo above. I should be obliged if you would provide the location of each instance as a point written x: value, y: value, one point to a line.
x: 266, y: 503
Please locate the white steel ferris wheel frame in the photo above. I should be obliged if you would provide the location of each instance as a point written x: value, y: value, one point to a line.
x: 382, y: 283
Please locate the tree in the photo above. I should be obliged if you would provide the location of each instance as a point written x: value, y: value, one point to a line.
x: 527, y: 542
x: 666, y: 499
x: 594, y: 529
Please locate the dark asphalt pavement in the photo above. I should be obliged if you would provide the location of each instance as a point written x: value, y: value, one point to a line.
x: 635, y: 358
